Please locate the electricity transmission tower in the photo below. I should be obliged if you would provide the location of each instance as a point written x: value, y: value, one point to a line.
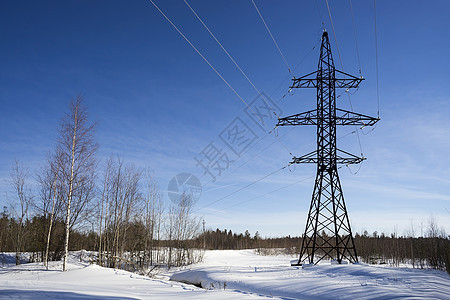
x: 327, y: 233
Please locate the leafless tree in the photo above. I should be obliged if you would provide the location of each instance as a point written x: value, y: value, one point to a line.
x: 182, y: 229
x: 153, y: 218
x: 18, y: 179
x: 49, y: 190
x: 76, y: 163
x: 103, y: 214
x: 122, y: 198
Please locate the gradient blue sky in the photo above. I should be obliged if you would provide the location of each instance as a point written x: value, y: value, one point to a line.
x: 158, y: 104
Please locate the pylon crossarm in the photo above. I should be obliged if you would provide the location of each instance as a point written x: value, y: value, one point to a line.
x: 307, y: 82
x: 311, y: 158
x: 345, y: 118
x: 305, y: 118
x: 304, y: 81
x: 352, y: 156
x: 347, y: 83
x: 352, y: 118
x: 349, y: 160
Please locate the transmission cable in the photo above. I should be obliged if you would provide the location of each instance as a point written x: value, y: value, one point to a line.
x: 251, y: 158
x: 320, y: 14
x: 223, y: 48
x: 226, y: 52
x: 296, y: 66
x: 268, y: 193
x: 243, y: 73
x: 376, y: 67
x: 376, y: 54
x: 273, y: 191
x: 201, y: 55
x: 242, y: 188
x: 273, y: 39
x: 269, y: 132
x: 356, y: 40
x: 342, y: 66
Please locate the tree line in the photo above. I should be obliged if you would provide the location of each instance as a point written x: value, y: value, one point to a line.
x: 117, y: 210
x: 80, y: 202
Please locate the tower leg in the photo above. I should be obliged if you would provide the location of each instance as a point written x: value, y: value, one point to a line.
x: 327, y: 232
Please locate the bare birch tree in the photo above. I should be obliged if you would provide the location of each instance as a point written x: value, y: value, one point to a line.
x: 103, y: 219
x: 153, y: 218
x: 49, y: 206
x: 182, y: 228
x: 75, y: 155
x: 121, y: 197
x: 19, y: 176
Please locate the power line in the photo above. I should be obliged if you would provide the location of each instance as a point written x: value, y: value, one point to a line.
x: 228, y: 54
x: 376, y: 54
x: 269, y: 132
x: 251, y: 158
x: 342, y: 66
x: 201, y: 55
x: 296, y: 66
x: 320, y: 14
x: 334, y: 33
x: 273, y: 191
x: 356, y: 40
x: 242, y: 72
x: 223, y: 48
x: 268, y: 193
x: 270, y: 33
x: 243, y: 188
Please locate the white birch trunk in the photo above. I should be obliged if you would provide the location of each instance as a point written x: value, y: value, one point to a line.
x: 69, y: 197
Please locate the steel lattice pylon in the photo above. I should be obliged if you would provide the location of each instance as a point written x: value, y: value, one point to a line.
x: 327, y: 233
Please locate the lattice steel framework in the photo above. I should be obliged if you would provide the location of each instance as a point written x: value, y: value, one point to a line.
x: 327, y: 233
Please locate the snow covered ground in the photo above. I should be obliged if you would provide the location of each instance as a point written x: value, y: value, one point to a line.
x: 224, y: 275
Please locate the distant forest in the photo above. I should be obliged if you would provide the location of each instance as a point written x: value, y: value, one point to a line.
x: 430, y: 251
x: 116, y: 209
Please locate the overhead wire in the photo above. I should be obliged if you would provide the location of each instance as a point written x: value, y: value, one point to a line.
x: 201, y: 55
x: 296, y: 66
x: 238, y: 67
x: 376, y: 67
x: 376, y: 54
x: 248, y: 79
x: 263, y: 195
x: 271, y: 35
x: 243, y: 73
x: 215, y: 70
x: 356, y: 40
x: 228, y: 84
x: 273, y: 130
x: 320, y: 14
x: 342, y: 66
x: 251, y: 158
x: 242, y: 188
x: 357, y: 129
x: 221, y: 46
x: 270, y: 192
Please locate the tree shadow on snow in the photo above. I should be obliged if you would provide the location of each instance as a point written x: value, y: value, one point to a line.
x: 37, y: 295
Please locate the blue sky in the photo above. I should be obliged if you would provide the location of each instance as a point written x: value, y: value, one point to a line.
x: 159, y: 105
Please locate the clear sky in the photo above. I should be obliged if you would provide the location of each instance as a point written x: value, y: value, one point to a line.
x: 161, y: 106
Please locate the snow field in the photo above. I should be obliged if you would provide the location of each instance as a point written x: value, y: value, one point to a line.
x: 224, y: 274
